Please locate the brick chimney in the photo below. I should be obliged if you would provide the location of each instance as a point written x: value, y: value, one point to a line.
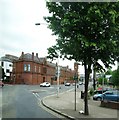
x: 22, y: 55
x: 33, y: 56
x: 37, y: 55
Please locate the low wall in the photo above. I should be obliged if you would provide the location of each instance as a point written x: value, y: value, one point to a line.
x: 110, y: 104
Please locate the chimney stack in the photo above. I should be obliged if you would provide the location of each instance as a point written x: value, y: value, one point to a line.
x: 33, y: 56
x: 37, y: 55
x: 22, y: 55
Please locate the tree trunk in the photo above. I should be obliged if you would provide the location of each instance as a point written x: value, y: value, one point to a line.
x: 87, y: 73
x: 94, y: 78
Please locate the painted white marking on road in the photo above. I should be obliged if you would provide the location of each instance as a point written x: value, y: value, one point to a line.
x: 37, y: 90
x: 37, y: 96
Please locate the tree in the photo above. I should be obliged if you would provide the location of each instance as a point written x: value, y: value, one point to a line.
x: 101, y: 79
x: 87, y: 32
x: 115, y: 77
x: 108, y: 72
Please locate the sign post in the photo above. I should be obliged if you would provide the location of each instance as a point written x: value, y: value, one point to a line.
x: 58, y: 75
x: 75, y: 78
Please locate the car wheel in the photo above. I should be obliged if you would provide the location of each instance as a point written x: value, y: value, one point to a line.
x: 98, y: 99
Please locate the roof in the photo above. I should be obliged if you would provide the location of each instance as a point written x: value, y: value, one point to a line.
x: 28, y: 57
x: 42, y: 60
x: 5, y: 59
x: 51, y: 64
x: 8, y: 58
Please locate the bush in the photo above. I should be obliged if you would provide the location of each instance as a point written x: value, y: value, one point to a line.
x: 91, y: 91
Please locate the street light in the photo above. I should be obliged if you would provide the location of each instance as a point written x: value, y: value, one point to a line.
x: 58, y: 68
x: 37, y: 24
x: 41, y: 24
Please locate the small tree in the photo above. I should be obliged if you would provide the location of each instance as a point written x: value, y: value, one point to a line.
x: 115, y: 78
x: 101, y: 79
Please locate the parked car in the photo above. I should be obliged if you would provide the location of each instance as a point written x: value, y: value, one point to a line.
x: 45, y: 84
x: 80, y: 83
x: 112, y: 95
x: 1, y: 83
x: 67, y: 84
x: 97, y: 97
x: 99, y: 91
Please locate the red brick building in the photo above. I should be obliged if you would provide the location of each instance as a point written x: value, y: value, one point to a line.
x: 30, y: 69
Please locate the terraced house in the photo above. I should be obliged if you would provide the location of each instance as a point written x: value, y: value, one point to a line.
x: 30, y: 69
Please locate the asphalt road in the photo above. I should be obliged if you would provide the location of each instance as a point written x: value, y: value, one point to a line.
x: 23, y: 101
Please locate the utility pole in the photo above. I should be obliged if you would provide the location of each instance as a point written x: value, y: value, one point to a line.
x: 58, y: 75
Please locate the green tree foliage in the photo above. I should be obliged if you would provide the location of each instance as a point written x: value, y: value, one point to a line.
x: 87, y: 32
x: 100, y: 80
x: 115, y: 77
x: 108, y: 72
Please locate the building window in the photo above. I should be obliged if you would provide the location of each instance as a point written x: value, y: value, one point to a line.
x: 39, y: 70
x: 35, y: 68
x: 2, y: 64
x: 10, y: 65
x: 29, y: 68
x: 44, y: 70
x: 7, y: 71
x: 25, y: 67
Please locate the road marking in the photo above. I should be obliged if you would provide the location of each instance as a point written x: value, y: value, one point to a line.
x: 37, y: 90
x: 37, y: 96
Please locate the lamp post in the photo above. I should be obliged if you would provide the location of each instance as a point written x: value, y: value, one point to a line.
x: 58, y: 68
x: 58, y: 75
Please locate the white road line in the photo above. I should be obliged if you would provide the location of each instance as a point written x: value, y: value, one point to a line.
x: 37, y: 96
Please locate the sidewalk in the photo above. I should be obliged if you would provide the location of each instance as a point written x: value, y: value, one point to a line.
x: 64, y: 104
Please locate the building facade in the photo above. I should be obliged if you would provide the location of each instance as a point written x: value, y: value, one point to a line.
x: 6, y: 63
x: 30, y: 69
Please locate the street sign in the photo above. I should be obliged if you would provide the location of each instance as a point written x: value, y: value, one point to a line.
x: 75, y: 77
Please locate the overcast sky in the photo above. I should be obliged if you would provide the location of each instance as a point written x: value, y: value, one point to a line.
x: 18, y: 31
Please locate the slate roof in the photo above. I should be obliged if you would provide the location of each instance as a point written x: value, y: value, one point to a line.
x: 28, y: 57
x: 8, y: 58
x: 42, y: 60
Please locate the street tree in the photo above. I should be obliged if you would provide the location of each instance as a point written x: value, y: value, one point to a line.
x: 115, y: 78
x: 87, y: 32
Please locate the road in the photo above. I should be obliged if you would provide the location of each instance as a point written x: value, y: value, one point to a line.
x: 23, y: 101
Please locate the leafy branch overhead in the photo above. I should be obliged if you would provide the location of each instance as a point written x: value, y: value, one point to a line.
x: 85, y: 30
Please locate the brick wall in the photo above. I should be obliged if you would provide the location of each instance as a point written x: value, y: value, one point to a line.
x: 32, y: 72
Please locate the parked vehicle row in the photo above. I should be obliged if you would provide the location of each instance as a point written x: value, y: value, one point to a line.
x: 47, y: 84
